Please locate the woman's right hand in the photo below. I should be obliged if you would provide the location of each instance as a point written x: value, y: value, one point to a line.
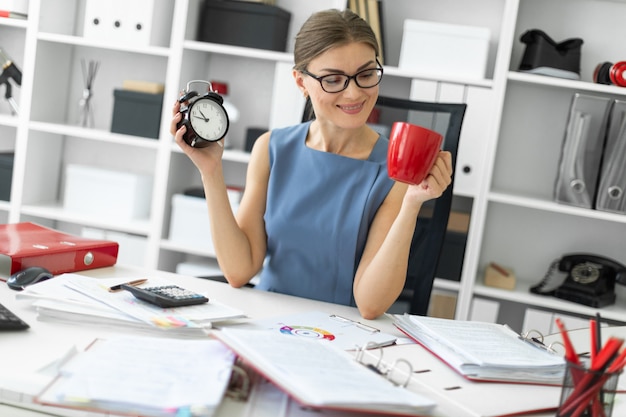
x: 206, y: 159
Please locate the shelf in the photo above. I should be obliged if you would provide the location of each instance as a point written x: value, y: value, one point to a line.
x: 521, y: 77
x: 6, y: 120
x: 540, y: 204
x: 80, y: 41
x: 56, y: 212
x: 232, y: 155
x: 238, y: 51
x: 446, y: 284
x: 411, y: 74
x: 522, y: 295
x: 13, y: 22
x: 94, y: 134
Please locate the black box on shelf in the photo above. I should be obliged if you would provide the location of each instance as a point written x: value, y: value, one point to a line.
x: 6, y: 174
x: 137, y: 113
x: 243, y: 23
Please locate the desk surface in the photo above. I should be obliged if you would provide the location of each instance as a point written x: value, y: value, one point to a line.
x: 28, y: 351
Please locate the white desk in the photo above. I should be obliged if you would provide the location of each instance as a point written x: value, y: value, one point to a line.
x: 25, y: 352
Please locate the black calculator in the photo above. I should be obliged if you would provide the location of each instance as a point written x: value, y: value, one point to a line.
x: 167, y: 295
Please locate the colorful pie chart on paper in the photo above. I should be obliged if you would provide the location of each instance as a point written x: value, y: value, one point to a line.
x: 308, y: 332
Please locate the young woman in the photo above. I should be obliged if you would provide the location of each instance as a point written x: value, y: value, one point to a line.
x: 319, y: 217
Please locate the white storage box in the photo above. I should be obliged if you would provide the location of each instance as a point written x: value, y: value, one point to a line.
x: 132, y: 249
x: 189, y: 223
x: 135, y: 22
x: 445, y: 49
x: 18, y: 6
x: 107, y: 193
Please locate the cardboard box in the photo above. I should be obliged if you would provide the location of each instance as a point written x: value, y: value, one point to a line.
x: 137, y: 113
x: 499, y: 277
x: 26, y: 244
x: 6, y: 175
x: 110, y: 194
x: 445, y: 49
x: 243, y: 23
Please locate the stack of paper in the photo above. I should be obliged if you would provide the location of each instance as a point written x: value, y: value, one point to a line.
x: 484, y: 351
x: 78, y: 298
x: 144, y: 376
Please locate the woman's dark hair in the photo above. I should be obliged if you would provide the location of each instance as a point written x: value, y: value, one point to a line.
x: 328, y: 29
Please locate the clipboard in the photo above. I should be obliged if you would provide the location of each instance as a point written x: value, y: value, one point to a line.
x: 342, y: 332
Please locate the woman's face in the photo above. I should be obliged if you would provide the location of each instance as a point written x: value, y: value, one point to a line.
x: 351, y: 107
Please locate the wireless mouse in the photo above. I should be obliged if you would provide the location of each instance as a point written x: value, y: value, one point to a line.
x: 28, y: 276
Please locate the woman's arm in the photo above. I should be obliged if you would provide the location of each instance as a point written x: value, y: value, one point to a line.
x: 381, y: 274
x: 239, y: 242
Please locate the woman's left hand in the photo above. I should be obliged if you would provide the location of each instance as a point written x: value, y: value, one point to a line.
x: 436, y: 181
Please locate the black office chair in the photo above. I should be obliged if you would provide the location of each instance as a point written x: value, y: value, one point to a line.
x: 430, y: 231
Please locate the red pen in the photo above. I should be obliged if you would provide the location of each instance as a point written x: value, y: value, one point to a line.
x: 589, y: 385
x: 593, y: 327
x: 570, y: 353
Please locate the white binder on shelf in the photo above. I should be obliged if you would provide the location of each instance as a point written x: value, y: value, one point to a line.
x: 613, y: 173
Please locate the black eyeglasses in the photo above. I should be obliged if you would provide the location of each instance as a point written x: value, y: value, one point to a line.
x: 335, y: 83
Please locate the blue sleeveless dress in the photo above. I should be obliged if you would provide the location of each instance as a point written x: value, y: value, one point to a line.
x: 319, y: 209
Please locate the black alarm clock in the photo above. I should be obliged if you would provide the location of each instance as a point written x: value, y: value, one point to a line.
x: 204, y: 116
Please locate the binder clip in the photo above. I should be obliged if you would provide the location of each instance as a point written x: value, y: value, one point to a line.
x: 546, y: 57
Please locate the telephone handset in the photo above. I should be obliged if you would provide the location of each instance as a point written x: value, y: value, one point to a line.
x: 585, y: 279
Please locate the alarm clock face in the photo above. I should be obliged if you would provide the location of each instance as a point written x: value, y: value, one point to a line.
x: 208, y: 119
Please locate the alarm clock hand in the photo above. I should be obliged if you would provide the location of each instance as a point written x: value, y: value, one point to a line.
x: 205, y: 118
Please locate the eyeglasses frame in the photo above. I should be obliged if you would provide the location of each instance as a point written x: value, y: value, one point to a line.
x: 350, y: 77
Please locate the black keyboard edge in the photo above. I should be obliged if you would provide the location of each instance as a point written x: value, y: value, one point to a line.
x: 10, y: 321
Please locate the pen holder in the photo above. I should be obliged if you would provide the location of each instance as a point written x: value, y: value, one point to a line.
x: 587, y: 393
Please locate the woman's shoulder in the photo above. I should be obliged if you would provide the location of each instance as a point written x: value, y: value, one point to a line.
x: 288, y: 135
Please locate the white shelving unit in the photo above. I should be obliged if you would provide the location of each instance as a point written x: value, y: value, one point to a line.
x: 506, y: 165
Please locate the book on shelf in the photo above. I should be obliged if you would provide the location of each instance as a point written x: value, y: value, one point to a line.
x: 76, y: 297
x: 146, y: 376
x: 342, y: 332
x: 319, y: 376
x: 484, y: 351
x: 372, y: 12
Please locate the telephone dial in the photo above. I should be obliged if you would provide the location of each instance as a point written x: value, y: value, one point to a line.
x: 585, y: 279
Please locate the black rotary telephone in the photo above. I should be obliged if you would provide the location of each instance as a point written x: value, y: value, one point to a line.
x: 587, y: 279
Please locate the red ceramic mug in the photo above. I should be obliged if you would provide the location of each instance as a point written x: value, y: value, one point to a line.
x: 412, y: 152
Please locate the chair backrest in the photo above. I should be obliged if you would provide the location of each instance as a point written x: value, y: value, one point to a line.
x: 430, y: 231
x: 432, y: 223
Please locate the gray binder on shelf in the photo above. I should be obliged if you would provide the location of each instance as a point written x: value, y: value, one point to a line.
x: 581, y: 154
x: 613, y: 174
